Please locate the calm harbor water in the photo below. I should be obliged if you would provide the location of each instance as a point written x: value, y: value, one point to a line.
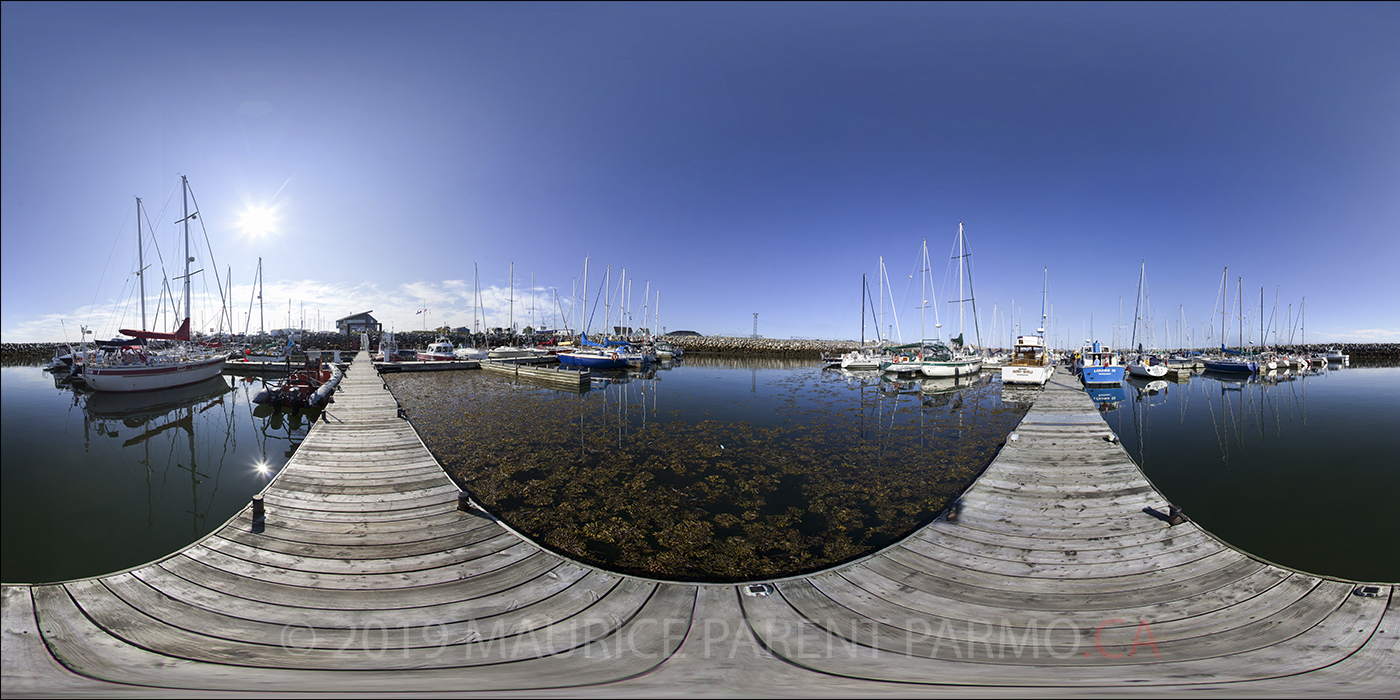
x: 712, y: 463
x: 93, y: 485
x: 1300, y: 470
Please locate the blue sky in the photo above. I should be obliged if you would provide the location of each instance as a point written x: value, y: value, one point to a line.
x: 734, y: 158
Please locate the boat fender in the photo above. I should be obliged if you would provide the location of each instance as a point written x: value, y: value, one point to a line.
x: 261, y: 397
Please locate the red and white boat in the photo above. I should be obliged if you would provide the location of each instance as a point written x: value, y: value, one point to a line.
x: 438, y: 351
x: 133, y: 368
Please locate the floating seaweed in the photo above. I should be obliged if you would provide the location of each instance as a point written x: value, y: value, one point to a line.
x: 672, y: 480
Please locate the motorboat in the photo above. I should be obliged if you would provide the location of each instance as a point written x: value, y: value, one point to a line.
x: 469, y: 354
x: 439, y: 350
x: 1099, y: 365
x: 1030, y: 362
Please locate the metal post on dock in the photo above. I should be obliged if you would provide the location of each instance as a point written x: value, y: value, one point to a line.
x: 258, y: 514
x: 464, y: 501
x: 1174, y: 515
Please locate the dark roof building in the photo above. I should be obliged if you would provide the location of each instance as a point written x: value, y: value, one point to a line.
x: 350, y: 325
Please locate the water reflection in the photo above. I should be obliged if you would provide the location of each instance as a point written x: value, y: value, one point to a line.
x: 1236, y: 451
x: 1107, y: 398
x: 141, y: 474
x: 165, y: 421
x: 747, y: 362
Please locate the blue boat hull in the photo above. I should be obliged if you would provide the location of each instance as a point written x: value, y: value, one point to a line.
x: 591, y: 361
x: 1232, y: 366
x: 1102, y: 375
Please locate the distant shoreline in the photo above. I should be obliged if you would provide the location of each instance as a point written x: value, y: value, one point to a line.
x: 720, y: 345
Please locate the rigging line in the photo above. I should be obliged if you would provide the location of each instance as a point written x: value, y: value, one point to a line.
x: 976, y: 327
x: 223, y: 302
x: 878, y: 337
x: 845, y: 311
x: 98, y: 291
x: 893, y: 311
x: 594, y: 311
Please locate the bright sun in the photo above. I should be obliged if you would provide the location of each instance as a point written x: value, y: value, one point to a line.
x: 257, y: 221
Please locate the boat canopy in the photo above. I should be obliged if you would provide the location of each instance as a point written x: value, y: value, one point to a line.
x: 120, y: 343
x: 182, y: 334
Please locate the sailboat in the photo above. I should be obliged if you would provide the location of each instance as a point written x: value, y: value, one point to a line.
x: 1230, y: 361
x: 913, y: 357
x: 264, y: 351
x: 134, y: 368
x: 594, y: 355
x: 865, y: 357
x: 962, y: 361
x: 473, y: 352
x: 507, y: 352
x: 1142, y: 364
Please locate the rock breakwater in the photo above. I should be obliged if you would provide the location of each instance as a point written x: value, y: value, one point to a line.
x: 761, y: 346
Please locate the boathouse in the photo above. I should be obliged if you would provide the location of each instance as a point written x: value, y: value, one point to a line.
x: 361, y: 322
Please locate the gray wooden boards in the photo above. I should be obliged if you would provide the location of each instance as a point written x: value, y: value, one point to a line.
x: 1052, y: 572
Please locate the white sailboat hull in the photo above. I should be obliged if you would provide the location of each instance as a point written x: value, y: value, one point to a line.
x: 1147, y: 371
x: 152, y: 376
x: 861, y: 360
x: 954, y: 368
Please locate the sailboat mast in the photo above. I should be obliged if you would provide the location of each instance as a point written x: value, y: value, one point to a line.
x: 923, y: 298
x: 1044, y: 288
x: 971, y: 293
x: 140, y: 264
x: 1137, y: 309
x: 862, y: 310
x: 961, y: 262
x: 512, y: 300
x: 262, y: 316
x: 184, y: 196
x: 1224, y: 290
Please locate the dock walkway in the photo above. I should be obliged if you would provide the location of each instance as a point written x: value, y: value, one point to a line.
x: 1057, y: 572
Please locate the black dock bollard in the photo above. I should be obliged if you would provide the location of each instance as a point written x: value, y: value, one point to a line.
x: 1174, y: 515
x: 258, y: 513
x: 464, y: 501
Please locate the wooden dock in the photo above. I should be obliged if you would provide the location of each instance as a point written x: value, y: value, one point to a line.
x: 552, y: 376
x: 1056, y: 574
x: 426, y: 365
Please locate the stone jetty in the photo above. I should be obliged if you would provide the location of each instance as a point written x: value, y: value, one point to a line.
x: 794, y: 347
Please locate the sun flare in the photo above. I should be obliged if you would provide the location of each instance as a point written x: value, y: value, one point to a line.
x: 258, y: 221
